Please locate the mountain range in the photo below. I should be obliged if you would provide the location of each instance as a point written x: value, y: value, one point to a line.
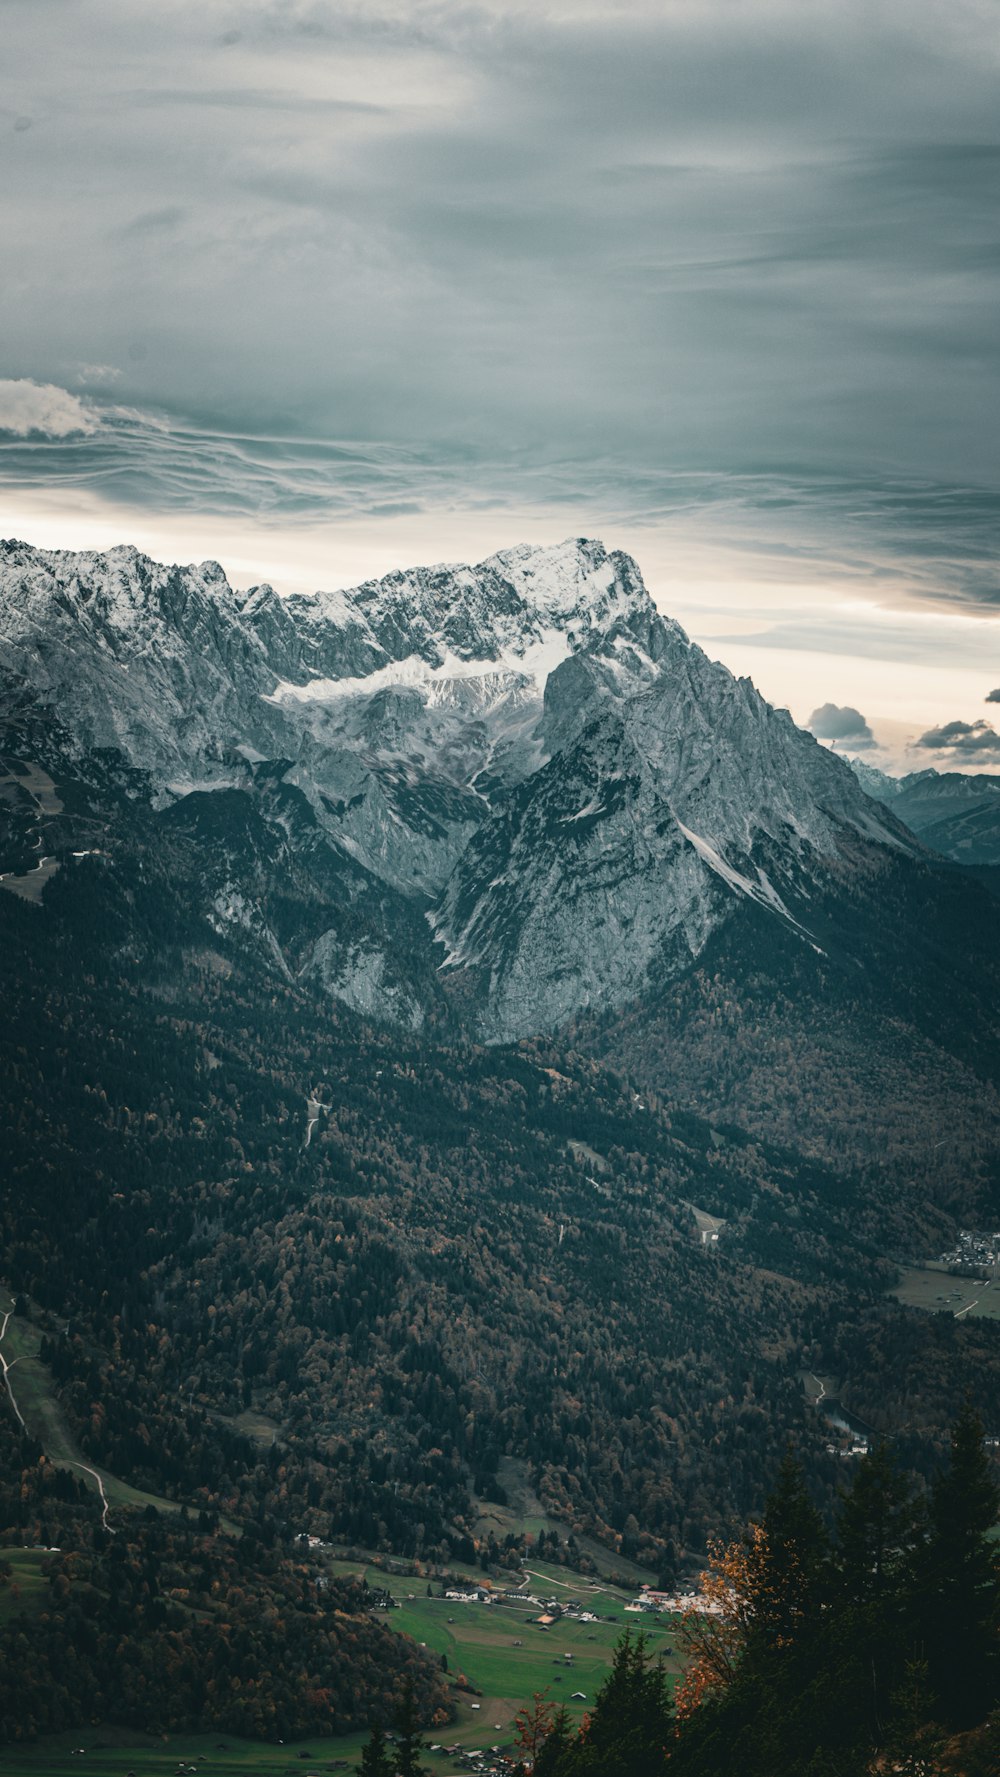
x: 955, y: 813
x: 515, y: 799
x: 522, y: 766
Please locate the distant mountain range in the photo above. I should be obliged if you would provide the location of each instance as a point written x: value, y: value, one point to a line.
x: 953, y: 812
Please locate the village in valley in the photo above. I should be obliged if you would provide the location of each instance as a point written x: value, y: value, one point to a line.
x: 974, y: 1251
x: 963, y: 1281
x: 551, y: 1634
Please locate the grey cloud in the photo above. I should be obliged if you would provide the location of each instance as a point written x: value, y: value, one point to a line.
x: 89, y: 374
x: 993, y: 696
x: 833, y: 721
x: 248, y: 99
x: 961, y: 738
x: 591, y: 246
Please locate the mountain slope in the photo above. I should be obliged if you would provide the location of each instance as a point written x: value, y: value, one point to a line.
x: 479, y: 1254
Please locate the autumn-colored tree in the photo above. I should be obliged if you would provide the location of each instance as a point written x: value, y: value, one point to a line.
x: 713, y: 1638
x: 533, y: 1724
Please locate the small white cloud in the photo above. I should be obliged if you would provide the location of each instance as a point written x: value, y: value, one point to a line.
x: 98, y: 373
x: 27, y: 407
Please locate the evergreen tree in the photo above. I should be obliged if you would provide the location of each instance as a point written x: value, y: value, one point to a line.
x: 376, y: 1760
x: 867, y: 1636
x: 958, y: 1575
x: 825, y: 1664
x: 410, y: 1745
x: 789, y: 1567
x: 632, y: 1722
x: 555, y: 1747
x: 876, y: 1528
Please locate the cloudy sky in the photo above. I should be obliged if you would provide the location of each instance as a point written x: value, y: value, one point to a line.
x: 322, y: 289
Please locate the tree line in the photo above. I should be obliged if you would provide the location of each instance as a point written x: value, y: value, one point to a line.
x: 872, y: 1647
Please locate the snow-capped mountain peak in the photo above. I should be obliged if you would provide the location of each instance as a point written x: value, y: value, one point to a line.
x: 526, y: 748
x: 497, y: 611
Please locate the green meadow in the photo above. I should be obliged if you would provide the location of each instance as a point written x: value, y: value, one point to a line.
x: 25, y: 1587
x: 933, y: 1288
x: 497, y: 1650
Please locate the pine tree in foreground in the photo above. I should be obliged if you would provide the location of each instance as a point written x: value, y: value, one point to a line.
x: 376, y: 1760
x: 629, y: 1730
x: 958, y: 1578
x: 857, y: 1657
x: 409, y: 1745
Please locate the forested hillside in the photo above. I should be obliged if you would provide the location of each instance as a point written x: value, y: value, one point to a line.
x: 312, y: 1275
x: 875, y: 1049
x: 167, y: 1623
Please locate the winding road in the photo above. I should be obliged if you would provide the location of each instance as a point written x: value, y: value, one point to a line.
x: 66, y: 1461
x: 7, y: 1367
x: 105, y: 1508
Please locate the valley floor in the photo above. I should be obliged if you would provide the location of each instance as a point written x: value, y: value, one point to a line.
x: 933, y: 1288
x: 504, y: 1655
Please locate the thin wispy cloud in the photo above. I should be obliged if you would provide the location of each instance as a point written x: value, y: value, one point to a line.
x: 898, y: 541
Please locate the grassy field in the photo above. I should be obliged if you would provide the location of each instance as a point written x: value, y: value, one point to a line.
x: 108, y: 1752
x: 477, y: 1640
x: 24, y: 1590
x: 481, y: 1641
x: 927, y: 1286
x: 31, y: 886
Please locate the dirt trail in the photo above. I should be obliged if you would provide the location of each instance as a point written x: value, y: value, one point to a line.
x: 7, y: 1367
x: 60, y: 1461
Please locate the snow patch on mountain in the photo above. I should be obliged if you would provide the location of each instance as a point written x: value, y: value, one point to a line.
x: 525, y: 750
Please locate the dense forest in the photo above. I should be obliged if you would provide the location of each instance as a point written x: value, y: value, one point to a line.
x: 480, y: 1255
x: 167, y: 1623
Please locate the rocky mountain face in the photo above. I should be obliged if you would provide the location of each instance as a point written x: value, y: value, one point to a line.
x: 955, y: 813
x: 516, y: 789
